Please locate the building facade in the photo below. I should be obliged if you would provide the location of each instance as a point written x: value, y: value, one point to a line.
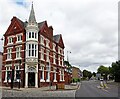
x: 68, y: 72
x: 76, y: 73
x: 33, y: 52
x: 1, y: 55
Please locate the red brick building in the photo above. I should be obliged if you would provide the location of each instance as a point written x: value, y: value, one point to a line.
x: 33, y: 52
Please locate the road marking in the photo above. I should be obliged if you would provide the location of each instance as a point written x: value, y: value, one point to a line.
x: 105, y: 90
x: 102, y: 88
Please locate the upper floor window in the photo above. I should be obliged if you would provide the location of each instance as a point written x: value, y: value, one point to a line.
x: 29, y: 34
x: 42, y: 53
x: 32, y: 35
x: 42, y: 40
x: 32, y: 50
x: 10, y: 40
x: 19, y: 38
x: 47, y: 55
x: 47, y: 43
x: 18, y: 50
x: 54, y: 58
x: 9, y: 53
x: 54, y: 45
x: 58, y: 49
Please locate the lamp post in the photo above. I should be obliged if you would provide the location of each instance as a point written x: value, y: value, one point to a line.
x: 68, y: 65
x: 19, y: 74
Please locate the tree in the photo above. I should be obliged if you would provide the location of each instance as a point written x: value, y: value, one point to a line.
x: 87, y: 74
x: 104, y: 71
x: 115, y: 70
x: 94, y: 74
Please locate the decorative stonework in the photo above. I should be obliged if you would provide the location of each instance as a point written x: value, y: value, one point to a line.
x: 31, y: 69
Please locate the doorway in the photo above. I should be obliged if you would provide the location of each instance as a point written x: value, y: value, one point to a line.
x: 31, y: 79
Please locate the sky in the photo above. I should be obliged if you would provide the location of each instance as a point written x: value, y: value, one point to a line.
x: 89, y: 28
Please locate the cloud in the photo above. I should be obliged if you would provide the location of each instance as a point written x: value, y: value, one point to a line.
x: 88, y: 27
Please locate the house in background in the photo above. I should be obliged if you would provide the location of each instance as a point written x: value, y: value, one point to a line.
x: 76, y: 73
x: 34, y: 54
x: 68, y: 72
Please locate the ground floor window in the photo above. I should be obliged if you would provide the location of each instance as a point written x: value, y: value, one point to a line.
x: 8, y: 74
x: 54, y: 75
x: 17, y: 72
x: 61, y: 74
x: 42, y: 74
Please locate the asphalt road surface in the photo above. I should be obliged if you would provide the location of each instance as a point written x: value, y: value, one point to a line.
x: 92, y: 89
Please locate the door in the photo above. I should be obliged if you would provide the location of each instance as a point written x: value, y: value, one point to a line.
x: 31, y: 79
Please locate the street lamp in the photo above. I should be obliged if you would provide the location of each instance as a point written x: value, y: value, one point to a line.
x: 67, y: 55
x: 68, y: 66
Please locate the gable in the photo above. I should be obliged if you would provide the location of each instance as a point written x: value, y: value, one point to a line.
x: 14, y: 27
x: 61, y: 42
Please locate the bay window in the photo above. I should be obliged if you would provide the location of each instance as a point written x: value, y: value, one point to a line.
x: 32, y: 35
x: 32, y: 50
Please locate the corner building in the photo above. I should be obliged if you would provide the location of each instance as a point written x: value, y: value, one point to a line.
x: 33, y: 52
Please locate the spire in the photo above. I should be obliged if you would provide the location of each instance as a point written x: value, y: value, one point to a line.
x: 32, y: 15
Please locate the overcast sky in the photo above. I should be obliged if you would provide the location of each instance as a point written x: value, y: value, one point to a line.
x: 89, y: 27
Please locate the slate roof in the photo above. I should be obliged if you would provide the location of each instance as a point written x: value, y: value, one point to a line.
x: 32, y: 16
x: 24, y: 24
x: 56, y: 38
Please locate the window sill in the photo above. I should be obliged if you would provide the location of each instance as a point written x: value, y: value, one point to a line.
x: 42, y: 59
x: 62, y: 80
x: 18, y: 41
x: 42, y: 80
x: 18, y: 58
x: 9, y: 43
x: 47, y: 80
x: 54, y: 80
x: 34, y: 39
x: 9, y: 60
x: 17, y: 80
x: 8, y: 81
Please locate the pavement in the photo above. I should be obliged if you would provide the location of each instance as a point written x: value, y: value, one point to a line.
x: 69, y: 91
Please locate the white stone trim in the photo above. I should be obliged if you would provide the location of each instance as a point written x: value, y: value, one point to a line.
x: 42, y: 80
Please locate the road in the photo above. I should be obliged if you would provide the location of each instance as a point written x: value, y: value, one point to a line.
x: 92, y: 89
